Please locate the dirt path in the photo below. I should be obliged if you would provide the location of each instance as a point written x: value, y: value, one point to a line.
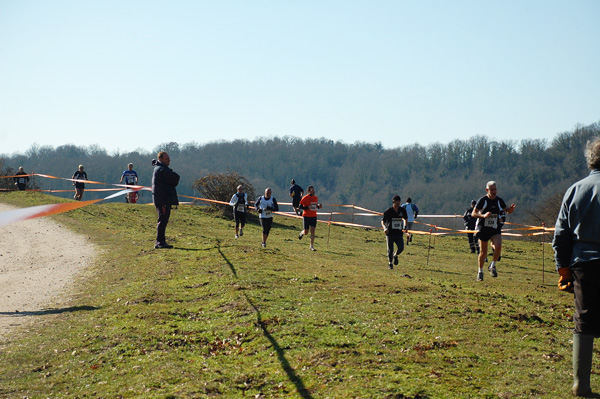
x: 38, y: 261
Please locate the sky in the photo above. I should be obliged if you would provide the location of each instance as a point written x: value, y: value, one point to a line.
x: 129, y: 74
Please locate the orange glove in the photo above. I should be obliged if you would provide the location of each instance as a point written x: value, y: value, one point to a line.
x: 565, y: 281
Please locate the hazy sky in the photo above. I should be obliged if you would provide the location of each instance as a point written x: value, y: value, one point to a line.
x: 134, y: 74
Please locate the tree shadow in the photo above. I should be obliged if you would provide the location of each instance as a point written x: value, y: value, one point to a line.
x: 289, y: 370
x: 44, y: 312
x: 226, y: 260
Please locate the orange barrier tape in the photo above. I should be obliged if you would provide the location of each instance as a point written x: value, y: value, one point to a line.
x: 21, y: 214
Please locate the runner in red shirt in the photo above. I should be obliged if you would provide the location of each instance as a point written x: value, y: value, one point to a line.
x: 309, y: 204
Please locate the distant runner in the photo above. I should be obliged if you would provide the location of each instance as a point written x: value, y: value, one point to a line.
x: 21, y: 182
x: 296, y: 192
x: 131, y: 179
x: 309, y: 205
x: 79, y: 186
x: 394, y: 219
x: 239, y: 202
x: 266, y: 205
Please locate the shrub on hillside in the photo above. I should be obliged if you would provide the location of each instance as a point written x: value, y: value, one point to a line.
x: 221, y: 187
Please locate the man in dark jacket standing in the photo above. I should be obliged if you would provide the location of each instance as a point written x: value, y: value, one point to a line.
x: 164, y: 195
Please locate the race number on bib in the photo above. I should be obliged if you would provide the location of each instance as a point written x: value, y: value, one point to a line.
x: 241, y: 208
x: 397, y: 224
x: 313, y: 206
x: 492, y: 222
x: 267, y: 213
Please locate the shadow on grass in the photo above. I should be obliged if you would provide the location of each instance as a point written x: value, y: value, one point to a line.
x: 297, y: 381
x: 43, y: 312
x: 226, y: 260
x: 289, y: 370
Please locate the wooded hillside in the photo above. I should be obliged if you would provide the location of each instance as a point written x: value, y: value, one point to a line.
x: 440, y: 178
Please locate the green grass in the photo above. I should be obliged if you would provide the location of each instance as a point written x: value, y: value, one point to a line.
x: 220, y: 317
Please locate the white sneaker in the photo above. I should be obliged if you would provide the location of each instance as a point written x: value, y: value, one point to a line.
x: 492, y: 269
x: 480, y: 275
x: 236, y: 236
x: 264, y: 245
x: 312, y: 248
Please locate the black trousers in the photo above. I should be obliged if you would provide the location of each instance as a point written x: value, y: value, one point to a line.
x: 390, y: 241
x: 587, y: 297
x: 164, y: 212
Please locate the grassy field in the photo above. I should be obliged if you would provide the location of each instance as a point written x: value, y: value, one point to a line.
x: 220, y: 317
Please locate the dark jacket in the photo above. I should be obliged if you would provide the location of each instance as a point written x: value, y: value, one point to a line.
x: 164, y: 181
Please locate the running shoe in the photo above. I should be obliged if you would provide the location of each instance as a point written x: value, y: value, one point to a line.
x: 264, y: 245
x: 312, y: 248
x: 301, y: 235
x: 236, y: 236
x: 480, y: 275
x: 241, y: 232
x: 492, y: 269
x: 391, y: 266
x: 396, y: 260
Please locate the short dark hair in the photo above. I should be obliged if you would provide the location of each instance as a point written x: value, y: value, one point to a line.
x: 396, y: 198
x: 409, y: 199
x: 293, y: 181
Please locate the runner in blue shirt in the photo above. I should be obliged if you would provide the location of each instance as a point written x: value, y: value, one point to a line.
x: 131, y: 179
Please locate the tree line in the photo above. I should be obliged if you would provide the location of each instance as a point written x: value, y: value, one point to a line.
x: 440, y: 178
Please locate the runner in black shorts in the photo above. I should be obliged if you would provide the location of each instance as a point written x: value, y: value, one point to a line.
x: 239, y: 202
x: 489, y: 226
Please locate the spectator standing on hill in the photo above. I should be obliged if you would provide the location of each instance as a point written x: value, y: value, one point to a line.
x: 470, y: 221
x: 20, y: 180
x: 164, y: 195
x: 394, y: 219
x: 296, y: 192
x: 489, y: 228
x: 239, y: 202
x: 79, y: 186
x: 309, y: 205
x: 131, y: 179
x: 412, y: 212
x: 577, y: 253
x: 266, y: 205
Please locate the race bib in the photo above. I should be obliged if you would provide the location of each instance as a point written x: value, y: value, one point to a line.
x: 397, y: 224
x: 313, y: 206
x: 267, y: 213
x: 241, y: 208
x: 491, y: 222
x: 21, y: 180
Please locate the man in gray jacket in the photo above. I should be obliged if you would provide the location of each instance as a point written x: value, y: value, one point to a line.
x: 577, y: 253
x: 164, y: 195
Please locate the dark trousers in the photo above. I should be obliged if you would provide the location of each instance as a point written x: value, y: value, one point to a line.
x: 391, y: 240
x: 587, y: 297
x: 473, y: 242
x: 164, y: 212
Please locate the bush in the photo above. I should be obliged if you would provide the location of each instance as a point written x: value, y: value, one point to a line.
x: 221, y: 187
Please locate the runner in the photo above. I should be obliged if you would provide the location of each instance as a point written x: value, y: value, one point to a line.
x: 296, y: 192
x: 394, y: 218
x: 309, y: 205
x: 489, y: 226
x: 239, y: 202
x: 131, y: 179
x: 21, y: 182
x: 266, y: 205
x: 412, y: 212
x: 79, y: 187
